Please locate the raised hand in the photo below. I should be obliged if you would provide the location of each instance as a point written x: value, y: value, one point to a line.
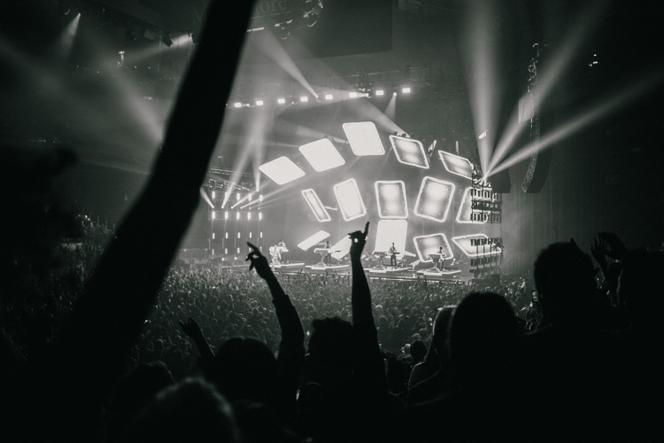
x: 258, y: 261
x: 358, y: 239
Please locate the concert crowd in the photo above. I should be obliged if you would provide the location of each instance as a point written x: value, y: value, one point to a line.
x: 102, y: 340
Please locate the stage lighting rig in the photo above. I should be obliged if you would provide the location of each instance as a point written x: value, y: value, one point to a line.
x: 291, y: 16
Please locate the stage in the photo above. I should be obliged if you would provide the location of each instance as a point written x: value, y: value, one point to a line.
x: 373, y: 273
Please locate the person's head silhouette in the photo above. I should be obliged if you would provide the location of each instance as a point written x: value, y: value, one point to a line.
x: 564, y: 279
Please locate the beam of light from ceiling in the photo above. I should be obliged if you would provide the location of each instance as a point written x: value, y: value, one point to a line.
x: 49, y: 82
x: 481, y: 76
x: 303, y: 132
x: 129, y: 94
x: 581, y: 121
x: 368, y: 110
x: 66, y: 40
x: 253, y: 145
x: 118, y: 166
x: 551, y: 72
x: 205, y: 198
x: 391, y: 108
x: 273, y: 49
x: 153, y: 49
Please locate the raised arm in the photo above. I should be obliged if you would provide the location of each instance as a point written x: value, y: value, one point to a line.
x: 361, y: 295
x: 291, y: 348
x: 109, y: 315
x: 368, y: 361
x: 192, y: 329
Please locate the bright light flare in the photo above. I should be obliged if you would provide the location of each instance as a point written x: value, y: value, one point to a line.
x: 281, y: 170
x: 322, y: 155
x: 482, y: 77
x: 205, y: 198
x: 391, y: 199
x: 363, y: 138
x: 579, y: 122
x: 550, y: 74
x: 66, y: 41
x: 349, y: 199
x: 434, y: 199
x: 316, y: 206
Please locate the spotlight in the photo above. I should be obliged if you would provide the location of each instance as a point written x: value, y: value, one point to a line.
x: 380, y: 92
x: 394, y: 94
x: 259, y: 102
x: 281, y: 101
x: 237, y: 105
x: 329, y: 96
x: 352, y: 94
x: 304, y: 99
x: 405, y: 90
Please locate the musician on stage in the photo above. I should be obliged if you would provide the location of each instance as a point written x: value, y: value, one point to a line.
x: 328, y: 258
x: 441, y: 261
x: 393, y: 255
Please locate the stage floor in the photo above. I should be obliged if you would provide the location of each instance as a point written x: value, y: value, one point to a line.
x: 383, y: 273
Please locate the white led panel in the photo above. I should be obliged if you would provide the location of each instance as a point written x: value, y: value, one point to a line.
x: 281, y: 170
x: 434, y: 199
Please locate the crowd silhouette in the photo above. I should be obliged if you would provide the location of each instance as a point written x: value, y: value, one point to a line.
x: 112, y: 344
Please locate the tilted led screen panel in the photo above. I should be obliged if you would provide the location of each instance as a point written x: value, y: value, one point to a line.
x: 425, y: 245
x: 349, y: 199
x: 465, y: 243
x: 281, y: 170
x: 322, y: 155
x: 391, y: 231
x: 434, y: 199
x: 391, y: 199
x: 316, y: 206
x: 341, y: 248
x: 312, y: 240
x: 465, y: 214
x: 409, y: 151
x: 457, y: 165
x: 363, y: 138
